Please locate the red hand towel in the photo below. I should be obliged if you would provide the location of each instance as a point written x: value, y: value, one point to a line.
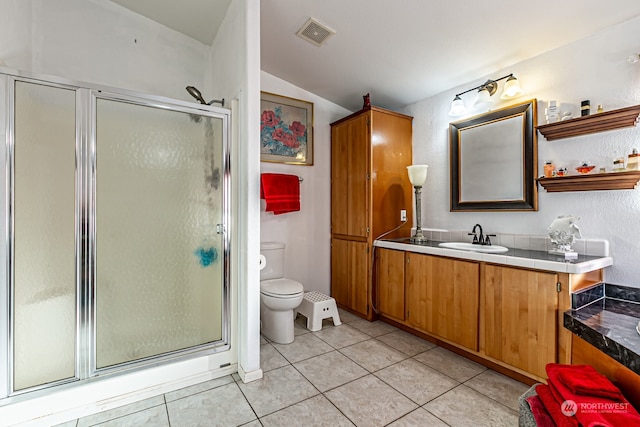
x: 281, y: 192
x: 593, y: 411
x: 585, y: 380
x: 540, y: 414
x: 554, y: 409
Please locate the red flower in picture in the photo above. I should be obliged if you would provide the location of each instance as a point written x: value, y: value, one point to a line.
x: 268, y: 119
x: 297, y: 129
x: 278, y: 134
x: 290, y: 141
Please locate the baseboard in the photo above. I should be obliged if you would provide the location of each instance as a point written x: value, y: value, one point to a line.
x: 247, y: 377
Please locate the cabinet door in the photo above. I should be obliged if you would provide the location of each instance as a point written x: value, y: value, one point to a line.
x: 349, y: 177
x: 390, y: 282
x: 520, y: 309
x: 443, y: 297
x: 349, y: 274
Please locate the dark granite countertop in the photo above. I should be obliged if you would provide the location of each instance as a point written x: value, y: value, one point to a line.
x: 609, y: 323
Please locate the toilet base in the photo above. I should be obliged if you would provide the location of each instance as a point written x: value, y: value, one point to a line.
x: 276, y: 326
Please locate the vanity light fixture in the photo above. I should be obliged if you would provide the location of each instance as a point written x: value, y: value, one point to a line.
x: 485, y: 91
x: 511, y: 88
x: 418, y: 176
x: 457, y: 107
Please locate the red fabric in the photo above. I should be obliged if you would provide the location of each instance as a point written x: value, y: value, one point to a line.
x: 281, y: 192
x: 553, y: 408
x: 592, y: 411
x: 585, y: 380
x: 540, y: 414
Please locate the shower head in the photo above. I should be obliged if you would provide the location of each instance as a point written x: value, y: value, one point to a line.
x: 196, y: 94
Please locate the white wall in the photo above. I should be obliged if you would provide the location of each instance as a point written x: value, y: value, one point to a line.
x: 100, y: 42
x: 594, y: 68
x: 306, y: 233
x: 234, y: 73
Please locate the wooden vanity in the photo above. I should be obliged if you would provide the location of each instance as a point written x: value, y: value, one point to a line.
x: 498, y: 310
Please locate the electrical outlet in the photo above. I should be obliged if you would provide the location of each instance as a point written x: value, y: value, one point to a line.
x: 403, y: 215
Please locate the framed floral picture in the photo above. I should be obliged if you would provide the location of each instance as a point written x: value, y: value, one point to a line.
x: 286, y: 130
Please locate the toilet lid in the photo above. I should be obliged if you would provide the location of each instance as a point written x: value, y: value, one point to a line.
x: 277, y: 287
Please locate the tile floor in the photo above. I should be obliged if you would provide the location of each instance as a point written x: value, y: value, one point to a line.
x: 359, y: 373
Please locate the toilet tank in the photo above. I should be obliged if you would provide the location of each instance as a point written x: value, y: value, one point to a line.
x: 274, y: 255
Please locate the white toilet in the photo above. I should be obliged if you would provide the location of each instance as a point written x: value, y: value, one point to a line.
x: 279, y: 297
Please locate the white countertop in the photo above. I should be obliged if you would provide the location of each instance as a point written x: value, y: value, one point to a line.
x: 514, y: 257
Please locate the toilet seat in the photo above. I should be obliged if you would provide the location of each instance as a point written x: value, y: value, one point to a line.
x: 279, y: 288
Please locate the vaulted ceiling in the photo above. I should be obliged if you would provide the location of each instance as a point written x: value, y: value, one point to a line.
x: 400, y: 51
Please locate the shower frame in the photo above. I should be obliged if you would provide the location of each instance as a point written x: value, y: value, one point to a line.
x: 86, y: 96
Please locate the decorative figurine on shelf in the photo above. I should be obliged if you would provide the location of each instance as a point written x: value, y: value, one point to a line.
x: 563, y: 232
x: 367, y: 101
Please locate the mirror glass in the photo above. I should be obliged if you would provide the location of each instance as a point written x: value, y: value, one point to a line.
x: 493, y: 163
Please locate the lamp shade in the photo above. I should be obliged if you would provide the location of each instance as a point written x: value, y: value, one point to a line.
x: 417, y: 174
x: 457, y: 107
x: 483, y: 98
x: 511, y: 88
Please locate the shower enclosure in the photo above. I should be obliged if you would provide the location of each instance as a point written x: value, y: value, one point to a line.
x: 116, y: 254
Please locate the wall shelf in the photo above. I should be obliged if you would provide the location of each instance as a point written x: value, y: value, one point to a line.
x: 590, y: 182
x: 598, y: 122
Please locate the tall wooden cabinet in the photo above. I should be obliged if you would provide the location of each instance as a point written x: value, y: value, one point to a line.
x: 370, y: 151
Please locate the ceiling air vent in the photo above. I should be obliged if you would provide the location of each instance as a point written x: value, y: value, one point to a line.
x: 315, y: 32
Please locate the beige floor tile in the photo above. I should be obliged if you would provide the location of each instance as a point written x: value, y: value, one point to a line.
x: 156, y: 417
x: 303, y: 347
x: 451, y: 364
x: 300, y: 328
x: 341, y: 336
x: 465, y: 407
x: 263, y: 340
x: 498, y: 387
x: 370, y: 402
x: 221, y: 406
x: 416, y: 381
x: 198, y: 388
x: 372, y: 355
x: 330, y: 370
x: 346, y: 317
x: 120, y: 411
x: 317, y: 411
x: 373, y: 329
x: 406, y: 343
x: 278, y: 389
x: 420, y: 417
x: 270, y: 358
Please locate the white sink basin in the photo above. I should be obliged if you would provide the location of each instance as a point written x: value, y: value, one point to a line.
x: 491, y: 249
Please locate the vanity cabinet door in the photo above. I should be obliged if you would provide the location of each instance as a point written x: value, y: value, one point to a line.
x: 520, y: 311
x: 390, y: 282
x: 349, y: 274
x: 442, y: 297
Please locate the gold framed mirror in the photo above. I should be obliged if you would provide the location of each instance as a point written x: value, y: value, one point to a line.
x: 493, y: 160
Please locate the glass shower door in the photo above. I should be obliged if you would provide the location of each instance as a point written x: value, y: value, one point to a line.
x: 159, y: 273
x: 43, y: 233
